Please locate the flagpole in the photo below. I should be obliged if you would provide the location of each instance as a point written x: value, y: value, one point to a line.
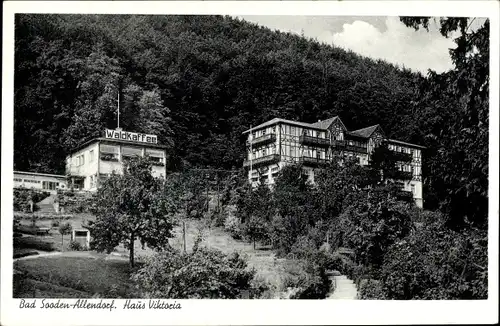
x: 251, y: 156
x: 118, y: 109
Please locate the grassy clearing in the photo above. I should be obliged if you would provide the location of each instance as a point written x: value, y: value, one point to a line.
x: 53, y: 240
x: 81, y: 275
x: 270, y: 269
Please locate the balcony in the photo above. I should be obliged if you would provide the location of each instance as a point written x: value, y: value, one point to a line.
x: 338, y: 144
x: 314, y: 141
x: 313, y: 161
x: 402, y: 157
x: 358, y: 149
x: 265, y: 139
x: 265, y: 160
x: 401, y: 175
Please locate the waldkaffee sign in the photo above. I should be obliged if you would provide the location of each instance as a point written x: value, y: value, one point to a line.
x: 131, y: 136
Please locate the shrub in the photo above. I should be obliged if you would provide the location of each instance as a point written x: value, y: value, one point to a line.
x: 436, y: 263
x: 22, y: 197
x: 369, y: 289
x: 55, y: 223
x: 261, y: 289
x: 204, y: 273
x: 17, y: 235
x: 75, y: 246
x: 232, y: 225
x: 33, y: 243
x: 24, y: 253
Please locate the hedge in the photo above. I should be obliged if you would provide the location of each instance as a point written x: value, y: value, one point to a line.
x: 33, y: 243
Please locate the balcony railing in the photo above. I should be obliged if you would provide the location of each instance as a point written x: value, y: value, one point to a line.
x: 314, y: 141
x: 265, y: 160
x: 402, y: 157
x: 401, y: 175
x: 359, y: 149
x: 313, y: 161
x: 338, y: 144
x: 265, y: 139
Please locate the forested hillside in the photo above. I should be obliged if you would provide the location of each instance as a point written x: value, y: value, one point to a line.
x: 196, y: 81
x: 199, y: 81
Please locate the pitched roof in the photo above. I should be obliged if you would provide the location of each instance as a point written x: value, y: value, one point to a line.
x: 365, y: 132
x: 324, y: 124
x: 278, y: 120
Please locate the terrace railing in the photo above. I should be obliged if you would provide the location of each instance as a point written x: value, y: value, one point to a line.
x: 265, y: 160
x: 314, y: 141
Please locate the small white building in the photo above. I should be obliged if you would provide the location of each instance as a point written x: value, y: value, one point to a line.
x: 39, y: 181
x: 98, y: 158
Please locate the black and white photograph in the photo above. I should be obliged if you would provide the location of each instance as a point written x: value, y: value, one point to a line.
x: 319, y: 158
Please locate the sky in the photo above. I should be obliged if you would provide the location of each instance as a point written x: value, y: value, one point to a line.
x: 375, y: 37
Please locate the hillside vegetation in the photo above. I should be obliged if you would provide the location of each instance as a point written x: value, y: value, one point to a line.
x: 199, y: 81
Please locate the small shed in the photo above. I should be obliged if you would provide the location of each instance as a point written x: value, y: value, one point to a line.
x: 81, y: 236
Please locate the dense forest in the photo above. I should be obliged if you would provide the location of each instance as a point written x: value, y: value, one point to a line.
x: 199, y: 81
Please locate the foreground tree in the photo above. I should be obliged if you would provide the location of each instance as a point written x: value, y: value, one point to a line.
x: 434, y: 262
x: 293, y: 198
x: 133, y: 206
x: 452, y: 110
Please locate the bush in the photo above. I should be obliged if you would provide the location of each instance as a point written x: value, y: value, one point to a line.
x: 28, y: 216
x: 17, y: 235
x: 75, y: 246
x: 22, y: 196
x: 204, y: 273
x: 232, y: 225
x: 436, y: 263
x: 55, y: 223
x: 24, y: 253
x: 33, y: 243
x: 369, y: 289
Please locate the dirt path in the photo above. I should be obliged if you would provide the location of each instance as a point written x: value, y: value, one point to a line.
x: 344, y: 288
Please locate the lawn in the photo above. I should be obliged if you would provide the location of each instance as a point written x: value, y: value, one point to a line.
x: 77, y: 275
x: 47, y: 276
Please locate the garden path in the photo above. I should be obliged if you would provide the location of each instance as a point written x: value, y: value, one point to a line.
x: 343, y: 288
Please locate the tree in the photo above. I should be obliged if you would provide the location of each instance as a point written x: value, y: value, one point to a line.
x: 436, y: 263
x: 373, y: 221
x: 385, y: 164
x: 293, y: 198
x: 258, y: 213
x: 64, y: 228
x: 458, y: 131
x: 202, y: 274
x: 133, y: 206
x: 336, y: 182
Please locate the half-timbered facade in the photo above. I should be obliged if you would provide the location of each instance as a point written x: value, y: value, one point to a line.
x: 278, y: 142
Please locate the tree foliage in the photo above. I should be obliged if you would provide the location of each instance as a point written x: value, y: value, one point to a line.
x: 202, y: 274
x: 133, y: 206
x: 452, y: 114
x: 434, y: 262
x: 196, y: 81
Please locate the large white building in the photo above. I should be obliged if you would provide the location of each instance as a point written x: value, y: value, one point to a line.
x: 278, y: 142
x: 97, y: 159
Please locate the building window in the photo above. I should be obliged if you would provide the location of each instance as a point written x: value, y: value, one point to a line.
x: 49, y: 185
x: 91, y: 155
x: 18, y: 180
x: 155, y: 156
x: 109, y: 152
